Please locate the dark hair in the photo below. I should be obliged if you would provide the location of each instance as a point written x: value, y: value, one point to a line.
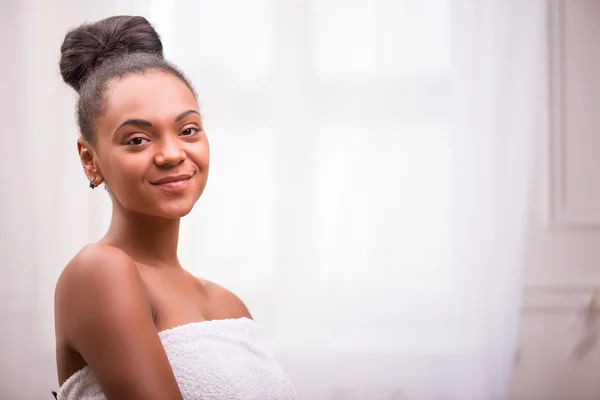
x: 92, y: 54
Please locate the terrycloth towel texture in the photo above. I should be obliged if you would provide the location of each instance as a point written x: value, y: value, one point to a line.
x: 218, y: 359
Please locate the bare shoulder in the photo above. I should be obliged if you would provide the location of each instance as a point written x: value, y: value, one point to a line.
x: 96, y: 265
x: 97, y: 274
x: 97, y: 259
x: 231, y: 302
x: 103, y: 313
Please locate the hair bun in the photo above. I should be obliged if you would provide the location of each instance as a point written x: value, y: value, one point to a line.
x: 89, y: 45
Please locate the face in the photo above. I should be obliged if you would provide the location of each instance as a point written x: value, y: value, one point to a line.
x: 151, y: 149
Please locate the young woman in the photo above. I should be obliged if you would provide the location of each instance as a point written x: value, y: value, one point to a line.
x: 131, y: 323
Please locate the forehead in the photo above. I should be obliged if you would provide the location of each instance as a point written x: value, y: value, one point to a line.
x: 148, y: 95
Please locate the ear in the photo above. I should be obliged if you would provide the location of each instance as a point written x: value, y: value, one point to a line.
x: 88, y: 162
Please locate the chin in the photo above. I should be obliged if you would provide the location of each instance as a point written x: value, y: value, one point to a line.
x: 173, y: 211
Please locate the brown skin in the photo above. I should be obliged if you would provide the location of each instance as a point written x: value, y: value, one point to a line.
x: 115, y: 296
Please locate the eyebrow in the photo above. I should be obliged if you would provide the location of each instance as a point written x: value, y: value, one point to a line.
x: 185, y: 114
x: 147, y: 124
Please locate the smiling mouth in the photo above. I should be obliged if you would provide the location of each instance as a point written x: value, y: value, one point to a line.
x: 173, y: 183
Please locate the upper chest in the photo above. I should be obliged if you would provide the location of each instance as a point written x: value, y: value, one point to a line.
x: 178, y: 297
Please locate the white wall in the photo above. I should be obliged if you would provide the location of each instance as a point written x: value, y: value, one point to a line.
x: 564, y: 270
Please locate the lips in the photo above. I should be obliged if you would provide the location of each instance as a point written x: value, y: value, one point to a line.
x: 171, y: 179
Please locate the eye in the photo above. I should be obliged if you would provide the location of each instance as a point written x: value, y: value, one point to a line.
x: 136, y: 141
x: 192, y: 130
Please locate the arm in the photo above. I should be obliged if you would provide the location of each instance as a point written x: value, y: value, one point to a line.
x: 104, y: 314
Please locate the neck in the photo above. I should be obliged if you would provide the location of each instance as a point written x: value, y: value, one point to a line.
x: 147, y: 239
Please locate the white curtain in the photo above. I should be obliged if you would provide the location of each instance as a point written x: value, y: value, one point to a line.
x: 369, y: 185
x: 498, y: 56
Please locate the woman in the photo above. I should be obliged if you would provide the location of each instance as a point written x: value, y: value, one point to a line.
x: 131, y: 323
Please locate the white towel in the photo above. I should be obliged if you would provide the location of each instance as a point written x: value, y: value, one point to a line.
x: 218, y: 359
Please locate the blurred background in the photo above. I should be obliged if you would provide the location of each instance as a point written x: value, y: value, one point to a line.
x: 403, y: 192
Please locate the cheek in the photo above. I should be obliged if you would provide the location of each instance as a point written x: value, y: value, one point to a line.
x: 206, y: 158
x: 200, y: 155
x: 124, y: 171
x: 206, y: 152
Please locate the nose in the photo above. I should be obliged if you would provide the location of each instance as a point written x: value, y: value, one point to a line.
x: 170, y: 153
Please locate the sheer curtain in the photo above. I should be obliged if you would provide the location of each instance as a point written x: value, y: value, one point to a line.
x: 369, y: 186
x: 498, y: 53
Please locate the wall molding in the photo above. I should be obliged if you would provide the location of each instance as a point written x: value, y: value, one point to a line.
x: 561, y: 214
x: 559, y: 298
